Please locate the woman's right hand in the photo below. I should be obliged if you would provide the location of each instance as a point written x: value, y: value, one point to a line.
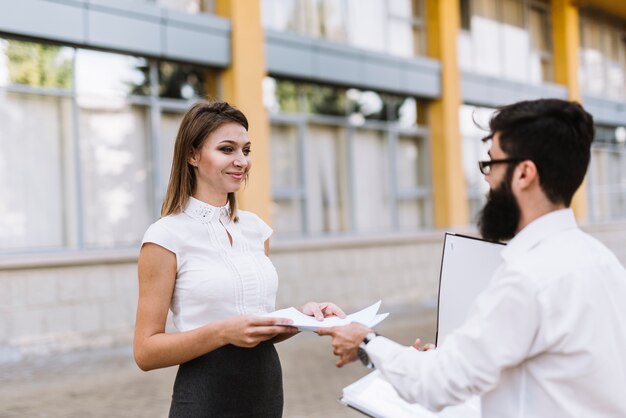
x: 248, y: 330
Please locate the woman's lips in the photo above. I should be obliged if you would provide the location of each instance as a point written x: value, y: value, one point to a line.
x: 236, y: 176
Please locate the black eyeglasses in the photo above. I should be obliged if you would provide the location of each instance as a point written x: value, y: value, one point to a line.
x: 485, y: 166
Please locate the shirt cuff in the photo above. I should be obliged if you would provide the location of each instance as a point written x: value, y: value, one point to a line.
x: 381, y: 349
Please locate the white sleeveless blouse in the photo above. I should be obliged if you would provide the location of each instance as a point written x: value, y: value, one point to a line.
x: 215, y: 280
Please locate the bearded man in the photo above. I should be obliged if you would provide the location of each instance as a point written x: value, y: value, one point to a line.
x: 547, y: 337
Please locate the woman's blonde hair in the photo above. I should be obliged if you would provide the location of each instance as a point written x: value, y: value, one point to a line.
x: 200, y: 120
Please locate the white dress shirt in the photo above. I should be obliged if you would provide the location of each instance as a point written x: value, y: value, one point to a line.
x: 547, y: 338
x: 214, y: 279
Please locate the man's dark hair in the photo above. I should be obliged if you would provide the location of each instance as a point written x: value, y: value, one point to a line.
x: 555, y: 134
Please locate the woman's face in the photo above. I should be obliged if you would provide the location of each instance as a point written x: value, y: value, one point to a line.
x: 222, y: 163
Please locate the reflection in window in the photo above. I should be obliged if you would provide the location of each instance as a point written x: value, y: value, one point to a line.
x: 371, y: 182
x: 170, y: 121
x: 345, y: 160
x: 188, y: 6
x: 603, y: 56
x: 184, y: 81
x: 395, y: 27
x: 101, y: 188
x: 115, y: 185
x: 324, y: 100
x: 105, y: 74
x: 412, y: 173
x: 508, y: 38
x: 35, y: 64
x: 326, y: 179
x: 286, y: 179
x: 607, y: 175
x: 474, y: 124
x: 280, y: 96
x: 33, y: 179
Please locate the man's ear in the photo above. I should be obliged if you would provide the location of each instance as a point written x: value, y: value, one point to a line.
x: 526, y: 174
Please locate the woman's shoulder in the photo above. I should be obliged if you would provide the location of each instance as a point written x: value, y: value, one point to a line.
x: 169, y: 221
x: 165, y: 229
x: 250, y: 221
x: 248, y: 218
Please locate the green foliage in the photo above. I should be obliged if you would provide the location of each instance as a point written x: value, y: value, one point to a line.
x: 38, y: 65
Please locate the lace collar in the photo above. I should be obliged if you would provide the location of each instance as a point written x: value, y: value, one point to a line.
x: 205, y: 213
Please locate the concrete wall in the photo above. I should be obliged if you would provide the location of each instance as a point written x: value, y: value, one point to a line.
x: 48, y: 307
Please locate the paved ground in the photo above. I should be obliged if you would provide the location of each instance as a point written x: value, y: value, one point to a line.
x: 107, y: 383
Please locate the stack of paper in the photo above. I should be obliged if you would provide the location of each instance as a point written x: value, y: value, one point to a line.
x: 374, y: 396
x: 368, y: 316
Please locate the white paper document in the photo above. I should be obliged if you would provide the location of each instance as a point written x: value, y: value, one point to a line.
x: 368, y: 316
x: 372, y: 395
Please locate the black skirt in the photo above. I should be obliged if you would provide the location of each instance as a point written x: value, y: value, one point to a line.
x: 230, y: 382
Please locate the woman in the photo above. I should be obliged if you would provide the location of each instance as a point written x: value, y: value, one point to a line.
x: 207, y: 262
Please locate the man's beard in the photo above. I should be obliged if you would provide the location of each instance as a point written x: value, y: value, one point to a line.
x: 499, y: 218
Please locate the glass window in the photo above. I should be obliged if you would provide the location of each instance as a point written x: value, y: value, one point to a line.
x: 395, y: 27
x: 170, y: 121
x: 412, y: 179
x: 184, y: 81
x: 287, y: 219
x: 515, y: 41
x: 333, y: 170
x: 486, y: 39
x: 35, y: 64
x: 280, y: 15
x: 114, y: 174
x: 603, y: 58
x: 285, y: 159
x: 607, y: 175
x: 474, y: 124
x: 405, y: 112
x: 333, y: 18
x: 371, y: 182
x: 412, y: 163
x: 541, y: 45
x: 324, y: 100
x: 280, y: 96
x: 35, y: 131
x: 107, y: 75
x: 189, y: 6
x: 326, y: 176
x: 366, y: 29
x: 105, y: 167
x: 286, y: 179
x: 508, y: 38
x: 404, y: 29
x: 366, y: 105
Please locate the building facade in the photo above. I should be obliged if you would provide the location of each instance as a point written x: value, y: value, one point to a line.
x: 365, y: 119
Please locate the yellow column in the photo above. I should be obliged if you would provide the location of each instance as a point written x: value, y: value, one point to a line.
x: 450, y: 197
x: 566, y: 36
x: 242, y: 87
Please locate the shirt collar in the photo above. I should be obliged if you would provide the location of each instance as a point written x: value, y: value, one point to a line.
x: 538, y: 230
x: 205, y: 213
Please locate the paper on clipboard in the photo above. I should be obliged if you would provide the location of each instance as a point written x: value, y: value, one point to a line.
x: 467, y: 266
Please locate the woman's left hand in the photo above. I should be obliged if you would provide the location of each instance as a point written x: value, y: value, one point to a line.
x: 322, y: 310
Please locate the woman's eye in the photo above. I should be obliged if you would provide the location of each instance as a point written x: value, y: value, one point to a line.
x: 227, y: 150
x: 246, y: 151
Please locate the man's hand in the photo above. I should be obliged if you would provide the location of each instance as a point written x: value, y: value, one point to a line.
x: 346, y: 340
x: 428, y: 346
